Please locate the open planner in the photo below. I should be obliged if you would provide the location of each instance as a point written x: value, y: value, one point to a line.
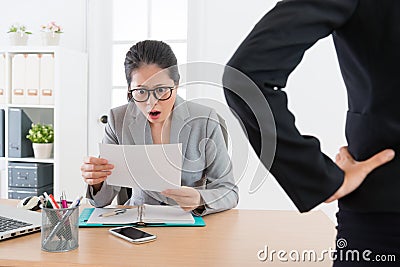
x: 145, y: 215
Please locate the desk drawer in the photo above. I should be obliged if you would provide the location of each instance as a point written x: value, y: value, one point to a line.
x: 35, y: 175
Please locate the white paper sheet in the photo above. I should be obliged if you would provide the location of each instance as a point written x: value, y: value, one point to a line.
x: 149, y: 167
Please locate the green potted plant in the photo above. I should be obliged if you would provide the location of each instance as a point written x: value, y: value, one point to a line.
x: 18, y: 34
x: 42, y: 138
x: 51, y: 33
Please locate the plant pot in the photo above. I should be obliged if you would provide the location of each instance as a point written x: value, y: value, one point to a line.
x: 18, y: 38
x: 42, y: 151
x: 50, y: 38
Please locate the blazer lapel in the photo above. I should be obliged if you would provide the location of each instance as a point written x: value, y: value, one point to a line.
x: 180, y: 129
x: 138, y: 125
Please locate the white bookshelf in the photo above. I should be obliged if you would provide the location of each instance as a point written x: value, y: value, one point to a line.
x: 30, y: 106
x: 31, y: 159
x: 68, y: 115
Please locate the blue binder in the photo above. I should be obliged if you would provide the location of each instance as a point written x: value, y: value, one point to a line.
x: 85, y: 215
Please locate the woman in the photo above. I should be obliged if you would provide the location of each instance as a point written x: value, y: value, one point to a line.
x: 155, y: 114
x: 365, y: 175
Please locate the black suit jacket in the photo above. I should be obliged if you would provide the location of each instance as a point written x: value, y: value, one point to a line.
x: 366, y: 34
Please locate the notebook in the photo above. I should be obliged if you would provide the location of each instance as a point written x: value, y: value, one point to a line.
x: 151, y: 215
x: 15, y: 222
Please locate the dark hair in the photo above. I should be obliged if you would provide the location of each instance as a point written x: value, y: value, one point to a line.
x: 151, y: 52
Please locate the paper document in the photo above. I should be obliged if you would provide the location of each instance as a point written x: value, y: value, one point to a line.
x: 151, y: 214
x: 149, y: 167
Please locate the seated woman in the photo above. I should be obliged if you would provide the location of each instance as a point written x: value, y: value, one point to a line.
x: 155, y: 114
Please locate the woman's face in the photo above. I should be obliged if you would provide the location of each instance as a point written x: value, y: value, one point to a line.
x: 149, y: 77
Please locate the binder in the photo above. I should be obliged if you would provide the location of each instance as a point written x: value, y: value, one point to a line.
x: 18, y: 127
x: 32, y: 79
x: 46, y: 81
x: 2, y: 79
x: 18, y: 79
x: 88, y: 212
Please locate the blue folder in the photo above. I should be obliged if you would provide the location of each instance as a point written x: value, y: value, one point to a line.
x: 85, y: 215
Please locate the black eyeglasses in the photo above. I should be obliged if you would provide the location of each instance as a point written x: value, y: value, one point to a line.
x: 161, y: 93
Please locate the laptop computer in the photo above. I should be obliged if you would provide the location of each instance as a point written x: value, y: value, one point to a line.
x: 15, y: 222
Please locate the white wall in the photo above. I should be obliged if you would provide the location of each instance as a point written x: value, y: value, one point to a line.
x: 316, y: 91
x: 70, y: 14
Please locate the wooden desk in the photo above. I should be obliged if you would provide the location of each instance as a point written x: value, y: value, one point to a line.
x: 231, y: 238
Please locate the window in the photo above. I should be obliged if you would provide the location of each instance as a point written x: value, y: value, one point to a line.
x: 136, y: 20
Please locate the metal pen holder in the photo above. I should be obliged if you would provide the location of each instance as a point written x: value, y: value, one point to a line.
x: 60, y: 229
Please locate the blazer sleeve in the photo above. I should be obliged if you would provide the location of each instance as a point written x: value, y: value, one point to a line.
x: 221, y: 192
x: 267, y: 56
x: 107, y: 192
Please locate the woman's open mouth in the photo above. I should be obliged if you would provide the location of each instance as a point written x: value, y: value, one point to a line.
x: 154, y: 114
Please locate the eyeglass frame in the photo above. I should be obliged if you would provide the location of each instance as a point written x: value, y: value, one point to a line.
x: 171, y: 88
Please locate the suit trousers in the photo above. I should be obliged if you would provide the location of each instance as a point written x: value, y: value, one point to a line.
x: 367, y: 239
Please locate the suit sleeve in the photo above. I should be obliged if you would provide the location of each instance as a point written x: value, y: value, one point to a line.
x: 107, y: 192
x: 267, y: 56
x: 221, y: 192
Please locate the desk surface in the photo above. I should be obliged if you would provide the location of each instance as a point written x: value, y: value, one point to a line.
x: 231, y: 238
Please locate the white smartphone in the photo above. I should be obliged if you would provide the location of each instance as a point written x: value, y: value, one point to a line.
x: 132, y: 234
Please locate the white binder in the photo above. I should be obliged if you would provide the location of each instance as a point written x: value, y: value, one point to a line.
x: 18, y: 79
x: 46, y: 79
x: 2, y: 78
x: 32, y: 79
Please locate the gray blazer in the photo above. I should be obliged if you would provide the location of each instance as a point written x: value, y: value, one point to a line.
x: 206, y: 164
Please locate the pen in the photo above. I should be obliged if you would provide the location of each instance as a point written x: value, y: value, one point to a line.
x: 112, y: 213
x: 54, y: 202
x: 76, y: 202
x: 64, y: 204
x: 49, y: 200
x: 46, y: 201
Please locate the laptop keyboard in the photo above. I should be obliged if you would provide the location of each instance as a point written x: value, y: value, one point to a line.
x: 7, y: 224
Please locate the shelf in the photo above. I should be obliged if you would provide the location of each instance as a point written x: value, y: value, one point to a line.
x: 32, y: 160
x: 30, y: 106
x: 30, y: 49
x: 69, y: 68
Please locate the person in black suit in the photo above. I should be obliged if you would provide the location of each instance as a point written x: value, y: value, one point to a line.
x: 365, y: 176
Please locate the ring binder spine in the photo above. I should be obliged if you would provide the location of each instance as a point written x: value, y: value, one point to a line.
x: 141, y: 210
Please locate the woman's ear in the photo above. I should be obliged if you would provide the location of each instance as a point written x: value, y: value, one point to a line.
x: 129, y: 96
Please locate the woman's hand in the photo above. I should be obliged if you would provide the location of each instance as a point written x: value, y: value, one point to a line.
x: 95, y: 171
x: 186, y: 197
x: 357, y: 171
